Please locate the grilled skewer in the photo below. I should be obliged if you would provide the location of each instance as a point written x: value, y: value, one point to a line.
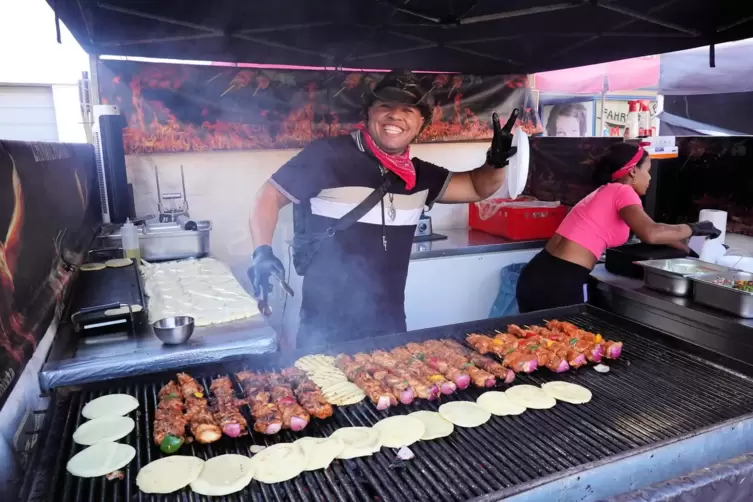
x: 169, y: 420
x: 611, y: 349
x: 576, y: 357
x: 518, y: 361
x: 593, y: 350
x: 398, y: 385
x: 437, y: 356
x: 308, y: 393
x: 534, y: 346
x: 267, y: 417
x: 373, y: 388
x: 427, y: 383
x: 483, y: 362
x: 294, y: 417
x: 460, y: 377
x: 226, y: 408
x: 200, y: 421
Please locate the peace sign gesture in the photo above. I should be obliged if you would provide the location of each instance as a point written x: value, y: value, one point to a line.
x: 502, y: 149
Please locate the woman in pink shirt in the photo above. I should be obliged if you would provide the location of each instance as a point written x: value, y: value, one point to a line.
x: 557, y: 276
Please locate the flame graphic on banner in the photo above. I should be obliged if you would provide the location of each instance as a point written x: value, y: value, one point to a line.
x: 182, y: 108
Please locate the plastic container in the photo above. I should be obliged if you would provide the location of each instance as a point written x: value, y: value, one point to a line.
x: 519, y: 223
x: 130, y: 241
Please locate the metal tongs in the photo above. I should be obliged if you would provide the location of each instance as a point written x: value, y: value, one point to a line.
x: 263, y: 302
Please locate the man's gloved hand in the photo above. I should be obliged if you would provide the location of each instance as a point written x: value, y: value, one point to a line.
x: 264, y: 265
x: 705, y: 229
x: 502, y: 149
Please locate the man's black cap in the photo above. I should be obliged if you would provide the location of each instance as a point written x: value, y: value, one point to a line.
x: 403, y: 87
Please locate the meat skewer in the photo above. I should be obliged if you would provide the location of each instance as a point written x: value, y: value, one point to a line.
x: 576, y: 357
x: 421, y: 384
x: 516, y: 360
x: 400, y: 357
x: 267, y: 417
x: 611, y: 349
x: 483, y: 362
x: 593, y: 350
x: 437, y: 356
x: 460, y: 377
x: 398, y: 385
x: 226, y: 408
x: 374, y: 389
x: 308, y: 393
x: 404, y: 356
x: 534, y: 346
x: 294, y: 417
x: 169, y: 419
x: 200, y: 421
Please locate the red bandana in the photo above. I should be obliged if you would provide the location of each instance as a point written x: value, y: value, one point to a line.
x: 400, y: 163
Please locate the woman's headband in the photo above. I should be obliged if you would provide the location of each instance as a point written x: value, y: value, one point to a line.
x: 625, y: 170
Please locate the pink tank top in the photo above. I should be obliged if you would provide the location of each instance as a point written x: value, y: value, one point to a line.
x: 595, y: 222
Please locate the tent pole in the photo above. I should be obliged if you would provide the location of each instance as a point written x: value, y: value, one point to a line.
x: 603, y: 122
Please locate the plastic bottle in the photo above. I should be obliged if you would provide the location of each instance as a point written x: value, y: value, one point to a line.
x: 129, y: 235
x: 632, y: 125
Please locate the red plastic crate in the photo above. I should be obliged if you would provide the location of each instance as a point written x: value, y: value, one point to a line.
x: 519, y: 223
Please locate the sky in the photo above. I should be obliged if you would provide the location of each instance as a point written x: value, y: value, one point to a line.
x: 30, y: 53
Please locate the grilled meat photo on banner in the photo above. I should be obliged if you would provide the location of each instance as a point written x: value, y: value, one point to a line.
x: 49, y: 209
x: 184, y: 108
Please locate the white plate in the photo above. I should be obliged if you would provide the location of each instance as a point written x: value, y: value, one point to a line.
x: 517, y: 168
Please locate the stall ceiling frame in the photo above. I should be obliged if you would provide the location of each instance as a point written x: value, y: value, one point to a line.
x: 471, y: 36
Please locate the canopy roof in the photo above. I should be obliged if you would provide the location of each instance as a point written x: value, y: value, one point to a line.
x: 470, y: 36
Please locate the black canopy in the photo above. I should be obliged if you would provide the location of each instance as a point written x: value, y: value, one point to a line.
x: 469, y: 36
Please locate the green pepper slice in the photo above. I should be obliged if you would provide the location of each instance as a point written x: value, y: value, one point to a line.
x: 170, y: 444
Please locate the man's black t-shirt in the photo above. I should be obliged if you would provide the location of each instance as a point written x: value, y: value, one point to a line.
x: 354, y: 288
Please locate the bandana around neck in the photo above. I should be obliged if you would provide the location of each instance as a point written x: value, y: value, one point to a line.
x: 399, y: 163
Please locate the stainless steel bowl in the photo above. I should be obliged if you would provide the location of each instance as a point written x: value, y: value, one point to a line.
x: 174, y: 330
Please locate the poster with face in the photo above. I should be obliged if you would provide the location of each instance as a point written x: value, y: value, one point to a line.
x: 569, y: 120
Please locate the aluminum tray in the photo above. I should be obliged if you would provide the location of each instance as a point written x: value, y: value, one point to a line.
x: 722, y: 297
x: 673, y: 276
x: 168, y: 241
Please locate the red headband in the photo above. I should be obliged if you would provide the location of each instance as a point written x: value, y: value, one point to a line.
x: 625, y: 170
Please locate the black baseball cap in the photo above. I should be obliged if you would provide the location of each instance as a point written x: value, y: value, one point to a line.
x: 403, y: 87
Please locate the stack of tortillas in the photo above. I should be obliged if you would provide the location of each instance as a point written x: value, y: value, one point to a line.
x: 335, y: 386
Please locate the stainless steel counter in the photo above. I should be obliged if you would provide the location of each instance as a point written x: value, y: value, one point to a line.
x: 76, y: 360
x: 681, y: 317
x: 467, y: 241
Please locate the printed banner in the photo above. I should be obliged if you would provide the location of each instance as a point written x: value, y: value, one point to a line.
x: 49, y: 210
x: 184, y: 108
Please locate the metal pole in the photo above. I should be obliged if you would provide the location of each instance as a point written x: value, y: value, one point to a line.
x: 604, y: 86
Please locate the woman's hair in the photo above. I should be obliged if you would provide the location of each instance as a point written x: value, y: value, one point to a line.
x: 576, y: 110
x: 615, y: 158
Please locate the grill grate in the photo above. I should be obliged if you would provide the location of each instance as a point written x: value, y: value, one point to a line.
x: 653, y: 393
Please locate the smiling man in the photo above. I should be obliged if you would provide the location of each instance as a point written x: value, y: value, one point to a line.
x: 355, y: 271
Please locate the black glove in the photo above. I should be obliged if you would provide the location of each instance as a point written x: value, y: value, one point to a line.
x: 705, y: 229
x: 264, y: 265
x: 502, y: 149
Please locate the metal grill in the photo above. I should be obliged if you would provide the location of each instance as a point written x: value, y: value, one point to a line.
x: 655, y: 392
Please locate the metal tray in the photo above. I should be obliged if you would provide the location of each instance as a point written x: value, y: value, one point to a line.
x: 672, y: 276
x: 723, y: 297
x: 168, y: 241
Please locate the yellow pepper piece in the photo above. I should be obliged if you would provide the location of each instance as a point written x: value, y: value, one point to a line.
x: 436, y: 378
x: 198, y: 394
x: 549, y: 343
x: 598, y: 338
x: 497, y: 341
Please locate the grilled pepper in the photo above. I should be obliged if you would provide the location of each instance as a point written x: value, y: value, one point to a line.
x: 170, y: 444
